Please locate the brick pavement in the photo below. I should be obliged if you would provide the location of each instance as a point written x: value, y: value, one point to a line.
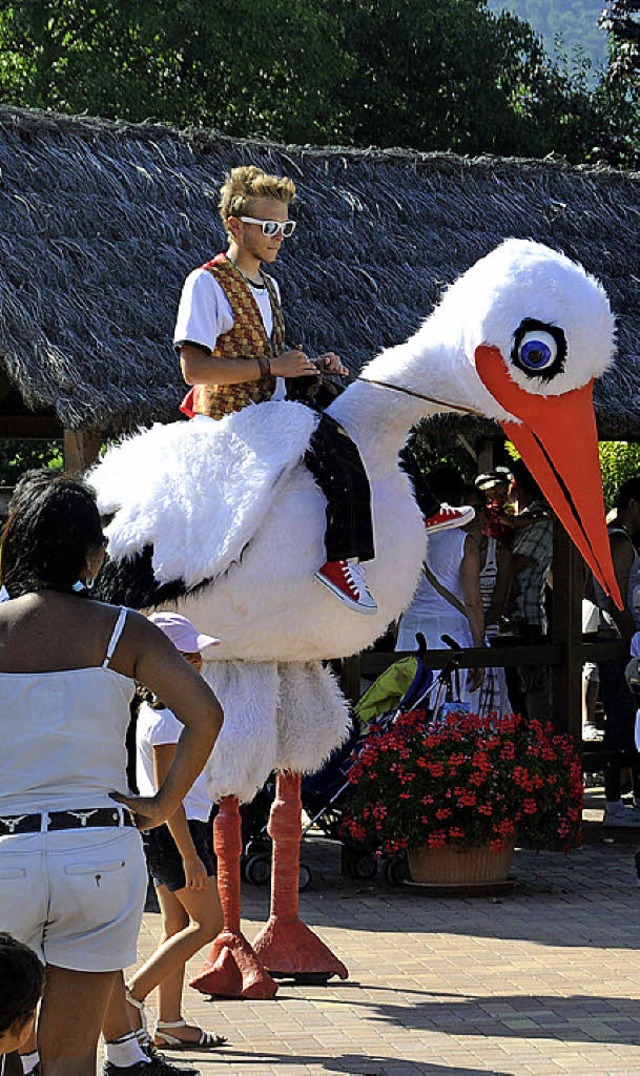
x: 545, y: 980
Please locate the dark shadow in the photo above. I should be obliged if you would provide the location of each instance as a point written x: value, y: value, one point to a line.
x: 349, y: 1064
x: 574, y: 1019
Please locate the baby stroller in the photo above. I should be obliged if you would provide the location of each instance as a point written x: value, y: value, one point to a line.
x: 326, y: 792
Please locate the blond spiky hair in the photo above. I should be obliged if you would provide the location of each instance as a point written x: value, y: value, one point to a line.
x: 243, y: 187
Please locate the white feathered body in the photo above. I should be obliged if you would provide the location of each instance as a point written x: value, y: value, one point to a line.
x: 230, y: 507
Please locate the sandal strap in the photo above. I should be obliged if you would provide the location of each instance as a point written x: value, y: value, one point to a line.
x: 207, y: 1038
x: 139, y: 1005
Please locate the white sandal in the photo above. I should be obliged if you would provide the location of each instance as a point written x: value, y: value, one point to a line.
x: 139, y: 1005
x: 207, y: 1041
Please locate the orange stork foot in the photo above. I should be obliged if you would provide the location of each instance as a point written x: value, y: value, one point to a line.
x: 289, y: 949
x: 286, y: 947
x: 232, y: 969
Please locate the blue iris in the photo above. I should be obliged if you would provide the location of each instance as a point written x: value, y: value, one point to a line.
x: 537, y: 351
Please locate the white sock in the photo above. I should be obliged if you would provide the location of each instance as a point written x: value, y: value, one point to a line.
x: 125, y: 1051
x: 29, y: 1061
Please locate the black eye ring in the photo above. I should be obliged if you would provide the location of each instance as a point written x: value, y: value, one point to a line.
x: 539, y: 349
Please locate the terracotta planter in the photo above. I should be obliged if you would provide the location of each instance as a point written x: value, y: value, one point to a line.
x: 460, y: 866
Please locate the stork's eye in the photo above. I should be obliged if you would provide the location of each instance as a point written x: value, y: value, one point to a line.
x: 539, y: 349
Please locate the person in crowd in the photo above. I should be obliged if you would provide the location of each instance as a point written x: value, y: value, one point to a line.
x: 618, y: 702
x: 231, y: 340
x: 21, y: 982
x: 494, y: 488
x: 72, y: 869
x: 532, y: 551
x: 495, y: 574
x: 448, y: 600
x: 590, y: 676
x: 180, y: 859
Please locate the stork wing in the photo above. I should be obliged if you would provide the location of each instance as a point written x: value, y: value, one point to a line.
x: 198, y: 491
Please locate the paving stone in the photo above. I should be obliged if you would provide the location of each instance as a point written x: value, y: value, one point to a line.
x: 542, y: 982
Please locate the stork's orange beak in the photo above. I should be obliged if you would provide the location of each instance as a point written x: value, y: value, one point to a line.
x: 558, y: 441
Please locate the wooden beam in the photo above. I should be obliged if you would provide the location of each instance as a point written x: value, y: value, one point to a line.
x: 30, y: 427
x: 568, y: 587
x: 81, y: 449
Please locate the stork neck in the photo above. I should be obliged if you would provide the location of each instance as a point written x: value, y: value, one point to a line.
x: 378, y: 420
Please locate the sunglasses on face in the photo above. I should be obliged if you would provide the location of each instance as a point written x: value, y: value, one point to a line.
x: 271, y: 228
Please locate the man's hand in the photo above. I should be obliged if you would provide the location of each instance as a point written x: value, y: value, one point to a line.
x: 293, y: 364
x: 333, y: 364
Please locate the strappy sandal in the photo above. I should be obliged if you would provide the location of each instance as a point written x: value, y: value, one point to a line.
x: 207, y: 1041
x: 139, y: 1005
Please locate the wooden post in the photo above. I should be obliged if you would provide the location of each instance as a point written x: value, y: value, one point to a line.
x: 568, y: 585
x: 81, y: 449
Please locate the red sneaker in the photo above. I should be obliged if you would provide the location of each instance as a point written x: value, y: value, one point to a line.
x: 346, y: 579
x: 448, y: 516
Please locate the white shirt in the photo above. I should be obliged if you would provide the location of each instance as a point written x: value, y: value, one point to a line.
x: 204, y: 314
x: 156, y: 727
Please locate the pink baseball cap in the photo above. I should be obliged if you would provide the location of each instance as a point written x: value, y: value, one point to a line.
x: 182, y: 633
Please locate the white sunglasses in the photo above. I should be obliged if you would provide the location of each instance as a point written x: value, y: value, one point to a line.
x: 272, y: 227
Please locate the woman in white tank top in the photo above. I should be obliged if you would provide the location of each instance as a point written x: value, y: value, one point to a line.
x: 72, y: 871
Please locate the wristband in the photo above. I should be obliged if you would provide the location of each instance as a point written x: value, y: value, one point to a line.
x: 265, y: 366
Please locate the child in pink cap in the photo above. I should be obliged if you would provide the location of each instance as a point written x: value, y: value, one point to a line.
x: 180, y: 860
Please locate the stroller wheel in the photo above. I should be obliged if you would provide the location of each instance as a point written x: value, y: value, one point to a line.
x: 359, y: 865
x: 257, y: 870
x: 396, y: 870
x: 305, y: 877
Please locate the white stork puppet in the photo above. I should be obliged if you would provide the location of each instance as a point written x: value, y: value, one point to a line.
x: 222, y: 520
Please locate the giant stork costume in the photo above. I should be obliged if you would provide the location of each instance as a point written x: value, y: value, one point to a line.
x: 222, y: 520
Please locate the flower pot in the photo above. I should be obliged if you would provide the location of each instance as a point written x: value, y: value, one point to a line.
x: 460, y: 866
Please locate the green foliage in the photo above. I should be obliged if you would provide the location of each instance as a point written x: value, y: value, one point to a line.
x: 16, y: 457
x: 430, y: 74
x: 566, y: 26
x: 619, y: 460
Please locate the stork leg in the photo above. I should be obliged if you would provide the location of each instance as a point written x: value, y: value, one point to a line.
x: 232, y: 969
x: 285, y: 945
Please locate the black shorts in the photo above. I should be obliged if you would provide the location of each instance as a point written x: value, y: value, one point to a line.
x: 164, y: 860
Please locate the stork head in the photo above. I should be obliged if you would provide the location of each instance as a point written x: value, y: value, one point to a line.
x: 538, y: 329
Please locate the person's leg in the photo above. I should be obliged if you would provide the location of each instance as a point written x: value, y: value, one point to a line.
x: 71, y: 1016
x: 334, y: 461
x: 202, y: 922
x: 619, y: 707
x: 174, y: 919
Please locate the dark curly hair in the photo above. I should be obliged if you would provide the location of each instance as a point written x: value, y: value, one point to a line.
x: 53, y: 525
x: 21, y: 981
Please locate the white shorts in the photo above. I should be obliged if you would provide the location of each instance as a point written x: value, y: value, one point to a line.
x: 75, y: 896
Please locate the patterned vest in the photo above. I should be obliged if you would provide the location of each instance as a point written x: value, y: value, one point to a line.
x: 245, y: 340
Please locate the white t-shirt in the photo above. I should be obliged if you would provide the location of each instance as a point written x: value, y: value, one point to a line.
x: 204, y: 314
x: 156, y: 727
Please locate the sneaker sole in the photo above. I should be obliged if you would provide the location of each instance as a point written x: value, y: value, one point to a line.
x: 365, y: 610
x: 450, y: 524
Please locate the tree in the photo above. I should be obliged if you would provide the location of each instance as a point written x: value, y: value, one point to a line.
x: 620, y: 89
x: 426, y: 74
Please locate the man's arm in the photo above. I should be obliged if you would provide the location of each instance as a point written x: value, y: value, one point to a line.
x: 202, y: 368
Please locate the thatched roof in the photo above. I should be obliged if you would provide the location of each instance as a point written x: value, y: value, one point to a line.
x: 102, y: 221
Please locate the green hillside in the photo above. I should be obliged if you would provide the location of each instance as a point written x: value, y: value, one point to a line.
x: 575, y: 21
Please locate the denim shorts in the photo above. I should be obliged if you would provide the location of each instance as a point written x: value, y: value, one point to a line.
x: 75, y: 896
x: 164, y: 859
